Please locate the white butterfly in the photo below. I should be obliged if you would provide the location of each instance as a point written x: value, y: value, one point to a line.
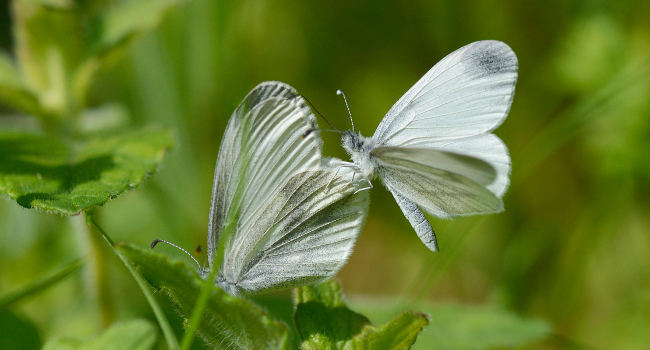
x: 286, y: 215
x: 434, y: 148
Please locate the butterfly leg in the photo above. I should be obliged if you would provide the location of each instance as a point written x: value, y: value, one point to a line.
x: 332, y: 179
x: 365, y: 188
x: 337, y: 172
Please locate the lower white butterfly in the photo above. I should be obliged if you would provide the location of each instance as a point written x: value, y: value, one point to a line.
x: 434, y: 148
x: 285, y: 215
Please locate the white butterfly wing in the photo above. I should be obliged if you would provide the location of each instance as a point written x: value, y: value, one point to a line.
x: 445, y: 184
x: 264, y: 145
x: 417, y: 219
x: 446, y: 115
x: 304, y: 234
x: 487, y: 147
x: 467, y: 93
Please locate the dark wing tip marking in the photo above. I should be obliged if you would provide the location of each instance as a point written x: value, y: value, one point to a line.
x: 266, y: 90
x: 490, y: 57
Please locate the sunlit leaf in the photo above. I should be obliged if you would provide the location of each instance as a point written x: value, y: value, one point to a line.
x: 324, y: 322
x: 49, y: 47
x: 228, y: 322
x: 107, y: 117
x: 126, y: 335
x: 60, y: 44
x: 17, y: 332
x: 55, y: 175
x: 13, y: 93
x: 461, y: 327
x: 127, y: 18
x: 115, y: 29
x: 399, y: 333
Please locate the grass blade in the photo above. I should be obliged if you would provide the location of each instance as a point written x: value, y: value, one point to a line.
x: 40, y: 284
x: 172, y: 342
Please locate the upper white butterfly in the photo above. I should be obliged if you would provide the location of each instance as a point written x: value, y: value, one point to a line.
x: 434, y: 148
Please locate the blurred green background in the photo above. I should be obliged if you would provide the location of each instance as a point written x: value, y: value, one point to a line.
x: 572, y: 246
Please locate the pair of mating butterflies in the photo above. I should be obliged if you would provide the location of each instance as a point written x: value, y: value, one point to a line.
x: 289, y: 216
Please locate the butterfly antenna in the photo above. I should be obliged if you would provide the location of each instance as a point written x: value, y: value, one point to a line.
x: 156, y: 241
x: 320, y: 115
x: 340, y: 92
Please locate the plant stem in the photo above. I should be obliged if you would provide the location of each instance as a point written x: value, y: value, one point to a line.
x: 99, y: 278
x: 201, y: 302
x: 172, y: 342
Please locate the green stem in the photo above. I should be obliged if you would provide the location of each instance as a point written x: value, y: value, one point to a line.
x: 99, y: 279
x: 172, y: 342
x: 201, y: 302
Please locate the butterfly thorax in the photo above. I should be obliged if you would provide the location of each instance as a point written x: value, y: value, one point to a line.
x: 358, y: 147
x: 230, y: 287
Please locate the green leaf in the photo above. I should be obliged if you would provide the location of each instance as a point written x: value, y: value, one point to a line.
x: 170, y: 337
x: 49, y: 43
x: 63, y: 177
x: 126, y: 335
x: 126, y: 19
x: 114, y: 30
x: 13, y: 93
x: 60, y: 45
x: 17, y: 333
x: 324, y: 322
x: 398, y: 333
x: 227, y: 322
x: 40, y: 284
x: 101, y: 119
x: 462, y: 327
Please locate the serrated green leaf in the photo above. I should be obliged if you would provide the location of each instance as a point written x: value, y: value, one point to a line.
x: 324, y: 322
x: 126, y: 335
x: 17, y: 332
x: 399, y: 333
x: 228, y: 322
x: 55, y: 175
x: 462, y: 327
x: 322, y: 318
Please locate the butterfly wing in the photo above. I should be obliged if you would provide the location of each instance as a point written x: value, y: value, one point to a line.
x: 304, y: 234
x: 445, y: 184
x: 264, y: 144
x: 417, y: 219
x: 467, y: 93
x: 486, y: 147
x: 456, y: 104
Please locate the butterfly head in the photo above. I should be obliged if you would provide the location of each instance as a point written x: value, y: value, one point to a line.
x: 351, y: 142
x: 359, y: 147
